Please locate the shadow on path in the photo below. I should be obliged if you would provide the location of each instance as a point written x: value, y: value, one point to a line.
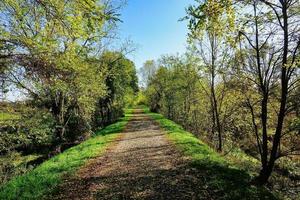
x: 143, y: 164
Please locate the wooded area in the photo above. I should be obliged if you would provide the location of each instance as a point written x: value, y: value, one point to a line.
x: 238, y: 83
x: 56, y: 54
x: 237, y: 86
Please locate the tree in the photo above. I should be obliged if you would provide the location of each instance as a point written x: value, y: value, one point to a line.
x: 50, y: 50
x: 273, y: 43
x: 147, y: 71
x: 207, y: 22
x: 170, y: 92
x: 122, y: 85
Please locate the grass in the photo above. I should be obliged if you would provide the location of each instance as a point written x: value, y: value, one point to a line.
x: 5, y: 116
x: 15, y: 164
x: 43, y: 180
x: 222, y: 179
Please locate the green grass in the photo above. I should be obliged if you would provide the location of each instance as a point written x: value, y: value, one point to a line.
x: 222, y: 179
x: 15, y: 164
x: 5, y: 116
x: 43, y: 180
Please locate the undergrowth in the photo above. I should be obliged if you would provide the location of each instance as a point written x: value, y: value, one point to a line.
x: 222, y: 179
x: 41, y: 181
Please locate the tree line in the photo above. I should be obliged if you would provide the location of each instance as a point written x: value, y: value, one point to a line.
x: 57, y: 54
x: 238, y: 83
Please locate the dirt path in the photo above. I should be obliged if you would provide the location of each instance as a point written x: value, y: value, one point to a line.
x: 141, y: 164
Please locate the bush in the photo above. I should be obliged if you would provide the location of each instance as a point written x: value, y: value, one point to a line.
x: 141, y: 99
x: 78, y: 129
x: 34, y: 128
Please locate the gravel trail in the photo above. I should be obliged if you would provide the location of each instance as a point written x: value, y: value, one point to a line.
x: 141, y: 164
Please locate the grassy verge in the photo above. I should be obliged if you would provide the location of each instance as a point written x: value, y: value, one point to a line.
x: 221, y: 179
x: 15, y: 164
x: 43, y: 180
x: 5, y: 116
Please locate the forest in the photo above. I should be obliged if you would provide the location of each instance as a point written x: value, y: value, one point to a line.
x: 236, y: 88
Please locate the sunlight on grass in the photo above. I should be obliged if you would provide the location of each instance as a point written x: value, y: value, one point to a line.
x: 4, y: 116
x: 223, y: 180
x: 43, y: 180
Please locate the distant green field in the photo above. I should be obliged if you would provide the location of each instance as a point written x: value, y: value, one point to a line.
x: 5, y: 116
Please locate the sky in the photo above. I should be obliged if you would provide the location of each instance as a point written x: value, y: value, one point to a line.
x: 154, y: 26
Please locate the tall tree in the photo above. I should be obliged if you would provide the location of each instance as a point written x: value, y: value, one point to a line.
x: 272, y: 34
x: 207, y: 22
x: 147, y: 71
x: 50, y: 48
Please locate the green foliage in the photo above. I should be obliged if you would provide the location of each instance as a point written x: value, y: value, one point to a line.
x: 121, y: 84
x: 295, y: 125
x: 42, y: 181
x: 140, y: 99
x: 169, y: 91
x: 223, y: 180
x: 211, y: 16
x: 41, y: 126
x: 236, y: 96
x: 51, y: 54
x: 4, y: 117
x: 31, y: 128
x: 51, y: 51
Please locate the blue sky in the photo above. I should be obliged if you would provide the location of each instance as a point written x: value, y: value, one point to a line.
x: 153, y: 25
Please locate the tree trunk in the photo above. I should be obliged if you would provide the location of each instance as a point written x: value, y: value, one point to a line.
x: 213, y: 93
x: 268, y: 168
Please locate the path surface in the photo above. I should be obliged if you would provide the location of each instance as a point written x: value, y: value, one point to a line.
x: 141, y: 164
